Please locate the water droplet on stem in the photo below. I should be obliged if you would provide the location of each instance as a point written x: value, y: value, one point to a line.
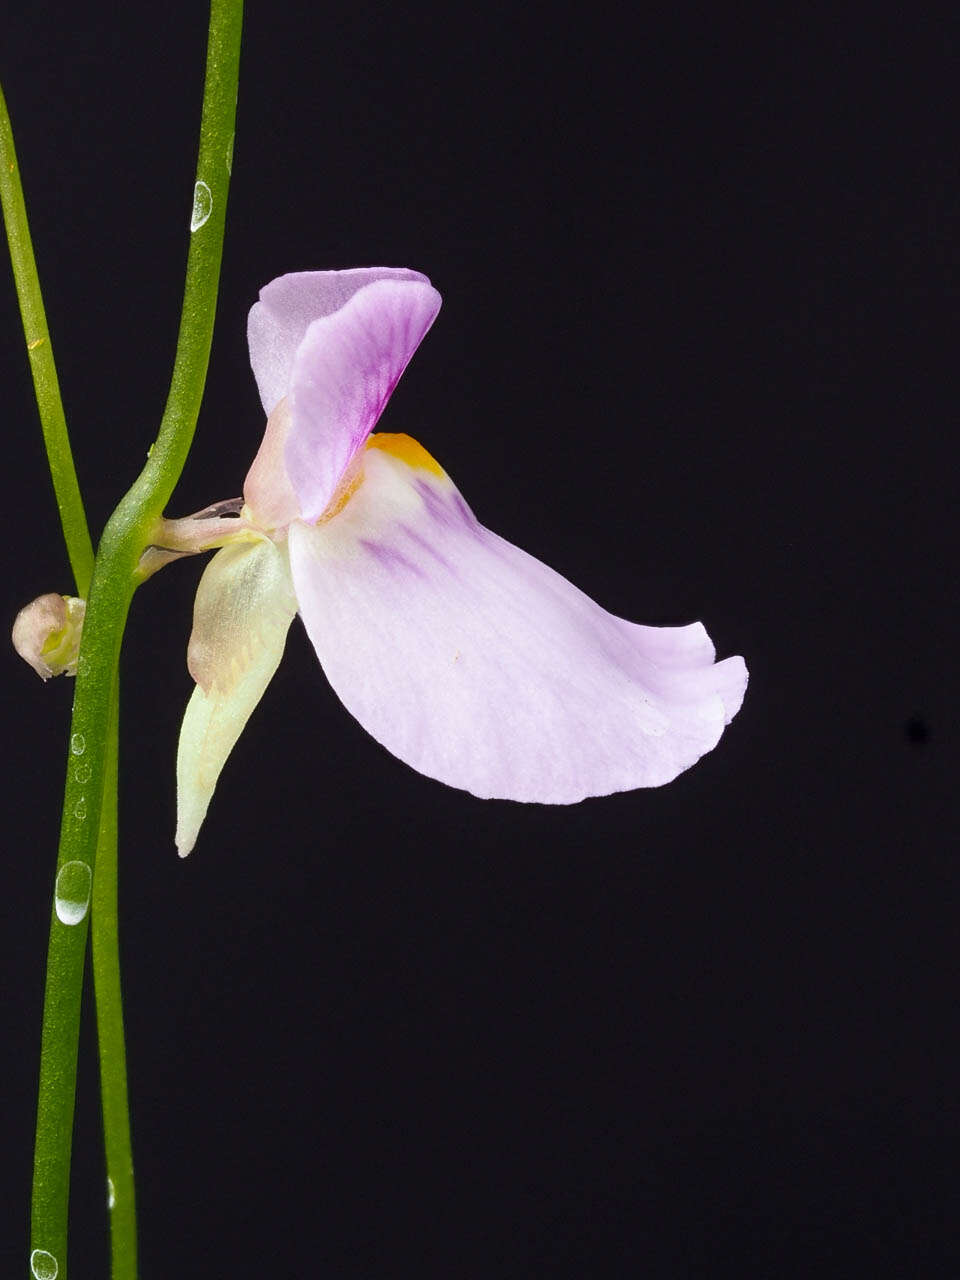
x: 43, y: 1265
x: 71, y: 899
x: 202, y: 205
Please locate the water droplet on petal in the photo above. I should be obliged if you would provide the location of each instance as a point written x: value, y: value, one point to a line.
x: 43, y: 1265
x: 71, y: 899
x: 111, y: 1194
x: 78, y: 744
x: 82, y: 772
x: 202, y: 205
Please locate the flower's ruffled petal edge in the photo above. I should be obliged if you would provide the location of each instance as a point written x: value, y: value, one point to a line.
x: 288, y: 306
x: 243, y: 610
x: 343, y: 374
x: 480, y: 666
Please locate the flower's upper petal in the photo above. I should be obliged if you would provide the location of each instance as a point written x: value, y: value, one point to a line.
x: 288, y: 306
x: 243, y: 610
x: 478, y: 665
x: 343, y: 373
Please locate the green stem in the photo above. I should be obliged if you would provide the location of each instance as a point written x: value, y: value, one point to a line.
x: 42, y: 365
x: 127, y: 533
x: 113, y: 1058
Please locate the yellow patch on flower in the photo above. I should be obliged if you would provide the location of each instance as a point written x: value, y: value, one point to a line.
x: 350, y: 482
x: 406, y: 449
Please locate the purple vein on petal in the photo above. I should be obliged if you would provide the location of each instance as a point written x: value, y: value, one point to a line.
x: 427, y: 546
x: 389, y: 557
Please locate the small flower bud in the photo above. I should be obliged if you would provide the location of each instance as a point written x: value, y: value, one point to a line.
x: 46, y: 633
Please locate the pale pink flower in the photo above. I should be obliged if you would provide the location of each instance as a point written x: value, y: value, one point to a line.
x: 461, y: 654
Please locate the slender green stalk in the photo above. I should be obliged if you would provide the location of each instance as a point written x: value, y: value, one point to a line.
x: 113, y: 1058
x: 128, y: 532
x: 42, y: 365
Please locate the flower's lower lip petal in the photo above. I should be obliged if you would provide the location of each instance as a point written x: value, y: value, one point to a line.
x: 243, y: 612
x: 480, y: 666
x: 343, y: 374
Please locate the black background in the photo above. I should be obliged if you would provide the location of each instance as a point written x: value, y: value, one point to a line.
x: 698, y: 352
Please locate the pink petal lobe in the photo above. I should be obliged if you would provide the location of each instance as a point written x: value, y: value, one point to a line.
x: 288, y: 306
x: 267, y: 491
x: 480, y: 666
x: 344, y: 371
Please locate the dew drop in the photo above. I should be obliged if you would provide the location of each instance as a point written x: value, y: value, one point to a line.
x: 202, y: 205
x: 111, y: 1194
x: 82, y: 772
x: 229, y: 155
x: 71, y: 898
x: 43, y: 1265
x: 78, y: 744
x: 80, y: 809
